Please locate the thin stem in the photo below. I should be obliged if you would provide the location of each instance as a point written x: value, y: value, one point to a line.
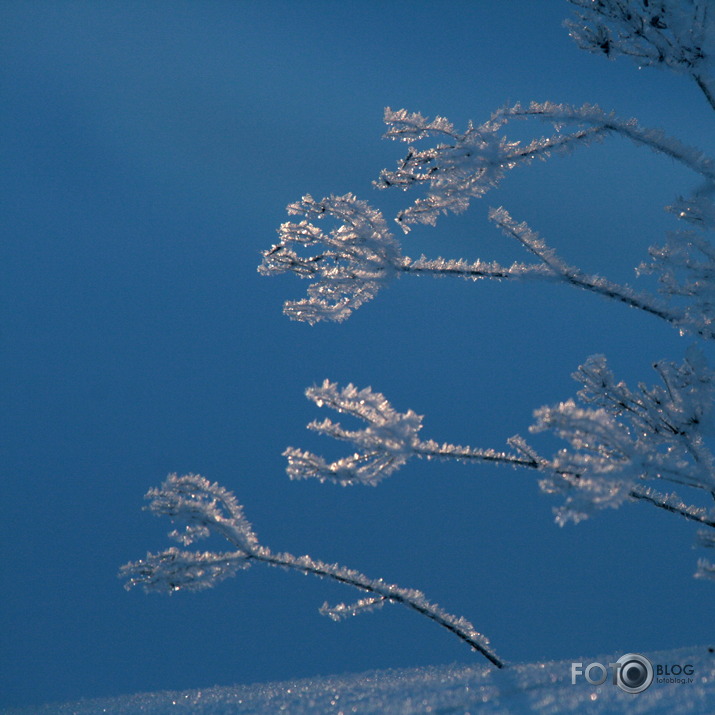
x: 594, y: 284
x: 463, y: 272
x: 613, y: 290
x: 672, y: 148
x: 552, y: 143
x: 428, y: 450
x: 424, y: 449
x: 660, y: 502
x: 705, y: 89
x: 599, y: 286
x: 386, y: 592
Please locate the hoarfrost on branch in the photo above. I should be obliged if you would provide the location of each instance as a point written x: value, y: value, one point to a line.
x: 650, y: 444
x: 622, y: 443
x: 207, y: 508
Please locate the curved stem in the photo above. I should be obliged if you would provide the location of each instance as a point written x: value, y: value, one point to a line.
x: 705, y: 90
x: 386, y: 591
x: 656, y: 140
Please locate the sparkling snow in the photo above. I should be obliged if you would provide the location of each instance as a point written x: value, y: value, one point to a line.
x: 530, y: 688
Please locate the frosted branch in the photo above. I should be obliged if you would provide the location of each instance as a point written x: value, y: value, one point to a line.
x: 592, y: 115
x: 175, y: 570
x: 706, y: 569
x: 352, y: 262
x: 458, y: 268
x: 694, y: 319
x: 698, y: 210
x: 204, y: 507
x: 619, y: 441
x: 207, y: 508
x: 685, y: 266
x: 467, y: 167
x: 658, y: 33
x: 346, y: 610
x: 622, y: 438
x: 675, y: 505
x: 469, y: 164
x: 706, y: 538
x: 385, y: 445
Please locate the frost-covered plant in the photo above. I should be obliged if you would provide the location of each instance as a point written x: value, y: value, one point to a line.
x: 622, y: 444
x: 356, y: 258
x: 205, y: 508
x: 359, y: 256
x: 653, y: 33
x: 384, y: 446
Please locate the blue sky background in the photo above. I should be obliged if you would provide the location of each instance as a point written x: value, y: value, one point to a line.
x: 148, y: 153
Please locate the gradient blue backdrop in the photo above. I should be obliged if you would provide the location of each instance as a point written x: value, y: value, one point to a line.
x: 148, y: 153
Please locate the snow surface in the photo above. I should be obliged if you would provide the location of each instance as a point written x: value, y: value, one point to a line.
x: 526, y: 688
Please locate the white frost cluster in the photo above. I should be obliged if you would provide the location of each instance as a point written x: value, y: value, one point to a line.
x: 388, y: 441
x: 622, y: 443
x: 685, y: 266
x: 204, y: 508
x: 460, y: 167
x: 352, y: 263
x: 385, y: 444
x: 207, y: 508
x: 619, y: 438
x: 659, y: 33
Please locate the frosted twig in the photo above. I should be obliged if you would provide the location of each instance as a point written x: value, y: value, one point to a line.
x: 705, y: 88
x: 353, y: 262
x: 209, y: 508
x: 673, y: 504
x: 388, y: 441
x: 654, y: 139
x: 678, y: 36
x: 466, y: 168
x: 441, y: 268
x: 699, y: 285
x: 355, y: 259
x: 706, y: 569
x: 619, y: 439
x: 558, y: 269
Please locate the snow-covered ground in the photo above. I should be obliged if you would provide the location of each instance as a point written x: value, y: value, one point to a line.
x: 526, y: 688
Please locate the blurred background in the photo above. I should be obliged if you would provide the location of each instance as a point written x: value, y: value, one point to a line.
x: 148, y: 153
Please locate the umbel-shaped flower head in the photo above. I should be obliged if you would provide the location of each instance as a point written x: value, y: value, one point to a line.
x: 204, y: 508
x: 387, y: 442
x: 353, y: 260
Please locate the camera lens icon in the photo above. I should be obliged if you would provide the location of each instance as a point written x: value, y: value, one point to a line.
x: 635, y: 673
